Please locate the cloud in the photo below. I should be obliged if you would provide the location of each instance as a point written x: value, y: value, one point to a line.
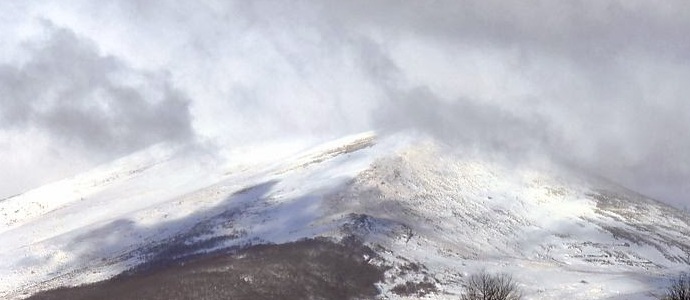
x: 66, y: 107
x: 599, y: 87
x: 82, y: 98
x: 596, y: 84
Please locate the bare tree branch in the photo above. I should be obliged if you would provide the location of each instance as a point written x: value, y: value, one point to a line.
x: 485, y: 286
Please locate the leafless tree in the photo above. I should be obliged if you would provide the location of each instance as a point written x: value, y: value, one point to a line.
x: 485, y: 286
x: 679, y: 288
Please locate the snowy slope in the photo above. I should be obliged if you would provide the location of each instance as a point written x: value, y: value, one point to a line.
x: 561, y: 235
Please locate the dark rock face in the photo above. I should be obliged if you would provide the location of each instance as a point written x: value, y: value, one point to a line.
x: 307, y: 269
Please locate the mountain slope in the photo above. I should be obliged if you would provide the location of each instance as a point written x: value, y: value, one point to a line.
x: 556, y: 232
x: 431, y: 215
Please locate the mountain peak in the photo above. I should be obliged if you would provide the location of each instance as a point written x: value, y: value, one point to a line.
x: 406, y: 197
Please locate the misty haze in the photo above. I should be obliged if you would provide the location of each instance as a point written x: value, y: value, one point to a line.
x: 344, y: 149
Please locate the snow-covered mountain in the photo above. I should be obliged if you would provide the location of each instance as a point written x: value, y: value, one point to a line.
x: 416, y: 203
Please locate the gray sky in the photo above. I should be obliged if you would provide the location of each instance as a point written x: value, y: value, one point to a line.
x: 601, y: 85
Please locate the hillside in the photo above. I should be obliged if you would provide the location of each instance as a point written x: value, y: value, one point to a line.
x: 430, y: 217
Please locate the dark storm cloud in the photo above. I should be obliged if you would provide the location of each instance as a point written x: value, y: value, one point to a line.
x: 77, y: 96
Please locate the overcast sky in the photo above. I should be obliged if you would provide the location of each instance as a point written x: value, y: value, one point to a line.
x: 602, y: 85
